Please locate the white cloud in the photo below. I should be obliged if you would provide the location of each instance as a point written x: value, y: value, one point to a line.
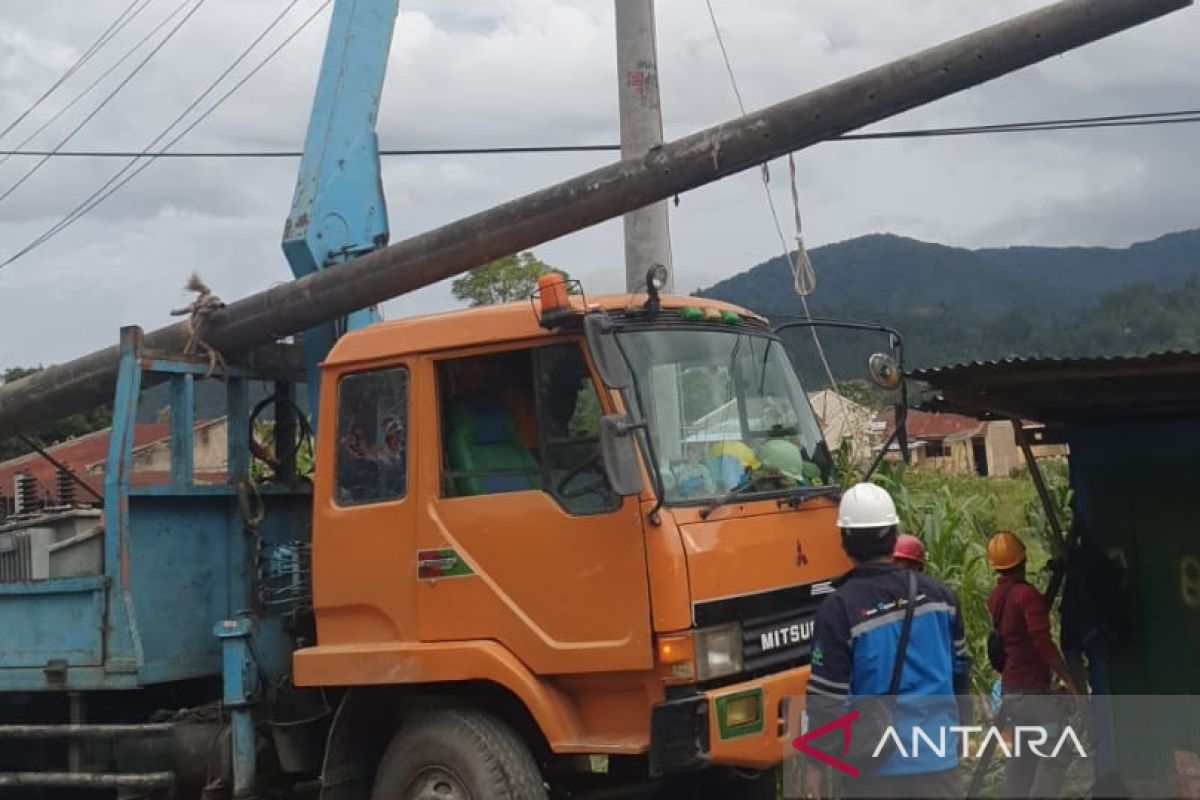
x: 518, y: 72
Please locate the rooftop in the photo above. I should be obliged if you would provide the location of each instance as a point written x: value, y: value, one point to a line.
x: 481, y: 326
x: 1070, y: 390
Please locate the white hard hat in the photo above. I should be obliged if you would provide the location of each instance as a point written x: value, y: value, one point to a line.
x: 866, y: 505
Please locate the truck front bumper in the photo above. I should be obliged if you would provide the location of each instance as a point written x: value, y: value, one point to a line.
x: 742, y: 725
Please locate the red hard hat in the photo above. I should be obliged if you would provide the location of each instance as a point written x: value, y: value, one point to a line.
x: 910, y: 548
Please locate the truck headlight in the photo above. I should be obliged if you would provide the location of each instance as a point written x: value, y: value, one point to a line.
x: 700, y: 655
x: 718, y: 651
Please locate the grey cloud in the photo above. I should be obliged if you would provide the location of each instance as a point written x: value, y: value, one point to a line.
x: 531, y: 71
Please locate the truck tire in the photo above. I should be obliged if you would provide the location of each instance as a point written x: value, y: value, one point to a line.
x: 457, y: 755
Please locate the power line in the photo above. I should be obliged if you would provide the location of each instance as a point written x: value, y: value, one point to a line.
x: 443, y: 151
x: 88, y: 90
x: 146, y: 158
x: 108, y: 98
x: 803, y: 274
x: 212, y: 86
x: 123, y: 19
x: 1082, y: 123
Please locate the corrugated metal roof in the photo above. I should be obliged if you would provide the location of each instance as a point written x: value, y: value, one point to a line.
x: 1067, y: 390
x: 1027, y: 363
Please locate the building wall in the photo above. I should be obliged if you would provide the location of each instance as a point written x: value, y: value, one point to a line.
x: 209, y: 451
x: 1135, y: 487
x: 1002, y: 452
x: 842, y: 419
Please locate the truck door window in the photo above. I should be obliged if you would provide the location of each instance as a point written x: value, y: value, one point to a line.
x: 569, y: 411
x: 525, y: 420
x: 489, y: 426
x: 372, y: 435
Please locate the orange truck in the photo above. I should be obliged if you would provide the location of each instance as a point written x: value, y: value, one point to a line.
x: 568, y: 544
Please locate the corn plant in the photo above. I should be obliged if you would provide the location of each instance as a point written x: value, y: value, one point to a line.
x: 954, y: 516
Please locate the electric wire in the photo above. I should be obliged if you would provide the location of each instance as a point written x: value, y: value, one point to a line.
x: 115, y: 27
x: 146, y: 159
x: 109, y: 97
x: 802, y: 270
x: 88, y: 90
x: 1082, y: 123
x: 212, y: 86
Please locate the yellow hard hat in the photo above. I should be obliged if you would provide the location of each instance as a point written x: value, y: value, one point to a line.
x: 734, y: 449
x: 1005, y: 550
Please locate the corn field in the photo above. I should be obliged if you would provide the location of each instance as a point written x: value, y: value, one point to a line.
x: 955, y: 515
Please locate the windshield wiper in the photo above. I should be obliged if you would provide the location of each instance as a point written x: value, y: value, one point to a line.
x: 793, y: 497
x: 717, y: 502
x: 801, y: 494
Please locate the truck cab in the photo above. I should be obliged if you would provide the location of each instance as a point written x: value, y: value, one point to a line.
x: 606, y: 523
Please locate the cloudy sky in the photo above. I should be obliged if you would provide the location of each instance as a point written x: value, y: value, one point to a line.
x: 524, y: 72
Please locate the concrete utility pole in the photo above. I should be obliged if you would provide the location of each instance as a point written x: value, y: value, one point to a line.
x: 604, y: 193
x: 647, y: 230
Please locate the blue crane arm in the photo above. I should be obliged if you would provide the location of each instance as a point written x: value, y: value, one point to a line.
x: 338, y: 211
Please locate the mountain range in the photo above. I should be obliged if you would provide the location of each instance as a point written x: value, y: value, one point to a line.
x: 885, y: 271
x: 956, y: 304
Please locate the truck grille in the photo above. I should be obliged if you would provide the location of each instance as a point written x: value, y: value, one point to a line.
x: 777, y: 626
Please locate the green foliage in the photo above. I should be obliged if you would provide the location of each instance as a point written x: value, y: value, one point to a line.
x: 866, y: 394
x: 955, y: 305
x: 55, y: 431
x: 503, y: 280
x: 264, y: 434
x: 954, y: 516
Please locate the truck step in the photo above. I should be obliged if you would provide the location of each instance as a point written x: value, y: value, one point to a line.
x: 88, y: 780
x: 86, y: 731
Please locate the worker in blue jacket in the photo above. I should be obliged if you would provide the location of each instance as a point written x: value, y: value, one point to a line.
x: 855, y: 645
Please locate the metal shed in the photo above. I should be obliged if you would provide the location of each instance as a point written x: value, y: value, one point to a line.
x: 1132, y: 425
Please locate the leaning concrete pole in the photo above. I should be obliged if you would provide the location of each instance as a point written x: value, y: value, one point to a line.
x: 647, y: 232
x: 602, y: 194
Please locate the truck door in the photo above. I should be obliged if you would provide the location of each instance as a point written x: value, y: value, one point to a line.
x: 522, y: 540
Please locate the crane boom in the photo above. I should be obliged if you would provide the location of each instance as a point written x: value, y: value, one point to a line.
x: 602, y: 194
x: 338, y: 210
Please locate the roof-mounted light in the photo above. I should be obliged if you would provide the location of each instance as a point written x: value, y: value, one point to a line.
x: 555, y: 297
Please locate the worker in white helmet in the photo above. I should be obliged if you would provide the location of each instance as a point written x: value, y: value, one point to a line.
x: 885, y: 631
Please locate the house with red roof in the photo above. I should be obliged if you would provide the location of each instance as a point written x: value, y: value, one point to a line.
x: 86, y: 456
x: 964, y: 445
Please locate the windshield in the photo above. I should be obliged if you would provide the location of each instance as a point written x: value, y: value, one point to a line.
x: 724, y: 411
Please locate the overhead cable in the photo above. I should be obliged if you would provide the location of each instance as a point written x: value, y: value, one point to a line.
x: 146, y: 158
x: 1082, y: 123
x: 18, y: 150
x: 804, y: 276
x: 123, y: 19
x: 108, y: 98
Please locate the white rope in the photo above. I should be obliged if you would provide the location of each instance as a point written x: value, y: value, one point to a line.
x: 804, y: 278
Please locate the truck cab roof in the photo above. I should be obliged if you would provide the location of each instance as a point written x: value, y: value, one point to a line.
x: 484, y: 325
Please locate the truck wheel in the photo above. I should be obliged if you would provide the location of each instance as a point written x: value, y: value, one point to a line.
x: 458, y: 755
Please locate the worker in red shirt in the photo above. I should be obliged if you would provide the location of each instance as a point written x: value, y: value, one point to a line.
x: 1031, y: 660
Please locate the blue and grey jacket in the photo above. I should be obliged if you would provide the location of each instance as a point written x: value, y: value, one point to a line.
x: 854, y: 649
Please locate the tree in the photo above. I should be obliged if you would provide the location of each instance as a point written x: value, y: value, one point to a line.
x: 503, y: 280
x: 54, y: 431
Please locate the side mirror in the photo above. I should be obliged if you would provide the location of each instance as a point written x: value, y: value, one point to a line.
x: 884, y: 370
x: 601, y: 338
x: 618, y: 447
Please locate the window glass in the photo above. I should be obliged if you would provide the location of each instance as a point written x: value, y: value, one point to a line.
x: 725, y: 411
x: 372, y: 435
x: 525, y: 420
x: 490, y: 439
x: 570, y: 421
